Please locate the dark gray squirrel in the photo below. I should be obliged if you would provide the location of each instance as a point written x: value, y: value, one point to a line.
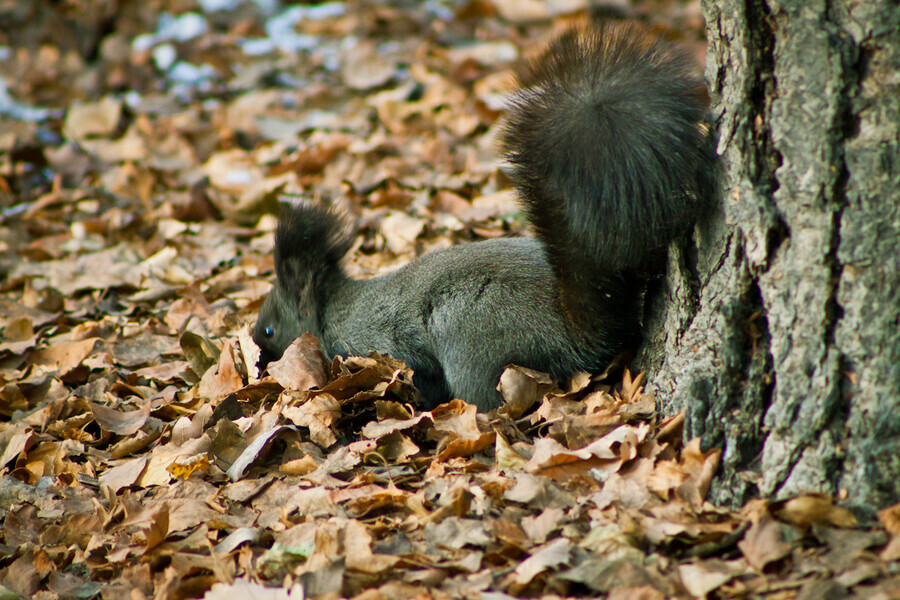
x: 605, y: 144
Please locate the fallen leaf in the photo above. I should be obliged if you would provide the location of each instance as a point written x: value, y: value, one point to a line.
x: 522, y: 388
x: 17, y: 440
x: 123, y: 475
x: 253, y: 450
x: 319, y: 414
x: 65, y: 357
x: 551, y: 555
x: 890, y: 518
x: 702, y: 578
x: 700, y: 468
x: 302, y: 366
x: 813, y: 509
x: 119, y: 422
x: 400, y: 231
x: 507, y: 457
x: 767, y: 541
x: 98, y: 118
x: 185, y: 466
x: 223, y: 378
x: 364, y: 68
x: 241, y: 588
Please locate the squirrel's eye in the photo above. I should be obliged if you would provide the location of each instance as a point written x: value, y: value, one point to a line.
x: 269, y: 331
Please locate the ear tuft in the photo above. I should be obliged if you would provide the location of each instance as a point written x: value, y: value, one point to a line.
x: 310, y: 243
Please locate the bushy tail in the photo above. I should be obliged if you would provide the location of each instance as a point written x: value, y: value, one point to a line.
x: 604, y: 139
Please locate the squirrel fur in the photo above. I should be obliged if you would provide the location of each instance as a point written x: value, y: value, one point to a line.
x: 604, y: 140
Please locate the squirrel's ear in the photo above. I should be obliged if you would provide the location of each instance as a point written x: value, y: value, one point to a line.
x: 292, y: 277
x: 310, y: 242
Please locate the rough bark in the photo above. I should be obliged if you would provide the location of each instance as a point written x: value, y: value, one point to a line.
x: 780, y: 335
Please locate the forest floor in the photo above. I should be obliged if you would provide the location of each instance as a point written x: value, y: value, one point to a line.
x: 143, y: 150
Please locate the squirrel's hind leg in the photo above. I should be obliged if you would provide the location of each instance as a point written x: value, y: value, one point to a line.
x: 474, y: 383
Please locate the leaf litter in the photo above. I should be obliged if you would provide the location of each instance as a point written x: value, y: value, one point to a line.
x: 143, y: 150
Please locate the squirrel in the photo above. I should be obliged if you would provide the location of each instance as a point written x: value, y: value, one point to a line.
x: 604, y: 143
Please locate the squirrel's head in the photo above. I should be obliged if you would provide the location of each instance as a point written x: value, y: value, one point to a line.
x: 280, y: 322
x: 310, y: 242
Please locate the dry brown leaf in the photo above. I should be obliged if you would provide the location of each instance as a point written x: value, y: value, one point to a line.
x: 628, y: 493
x: 188, y: 513
x: 113, y: 267
x: 376, y: 499
x: 607, y: 454
x: 65, y: 357
x: 128, y: 178
x: 123, y: 475
x: 660, y: 523
x: 100, y: 118
x: 199, y: 351
x: 25, y: 310
x: 538, y: 492
x: 240, y: 589
x: 319, y: 413
x: 302, y: 366
x: 700, y: 468
x: 644, y: 592
x: 767, y: 541
x: 158, y: 528
x: 185, y: 466
x: 702, y: 578
x: 890, y: 518
x: 300, y: 466
x: 400, y: 231
x: 190, y: 305
x: 457, y: 417
x: 457, y: 532
x: 632, y: 388
x: 452, y: 446
x: 251, y: 353
x: 232, y: 170
x: 341, y: 460
x: 550, y: 556
x: 15, y: 440
x: 891, y: 552
x: 168, y: 372
x: 364, y: 378
x: 254, y: 450
x: 48, y: 459
x: 18, y: 335
x: 377, y: 429
x: 813, y: 509
x: 522, y: 388
x: 22, y: 577
x: 507, y: 457
x: 555, y: 408
x: 521, y: 11
x: 119, y: 422
x: 365, y: 68
x: 156, y: 471
x: 540, y: 526
x: 223, y: 378
x: 236, y: 538
x: 396, y: 447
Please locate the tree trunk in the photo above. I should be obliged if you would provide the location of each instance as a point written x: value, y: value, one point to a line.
x: 780, y: 336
